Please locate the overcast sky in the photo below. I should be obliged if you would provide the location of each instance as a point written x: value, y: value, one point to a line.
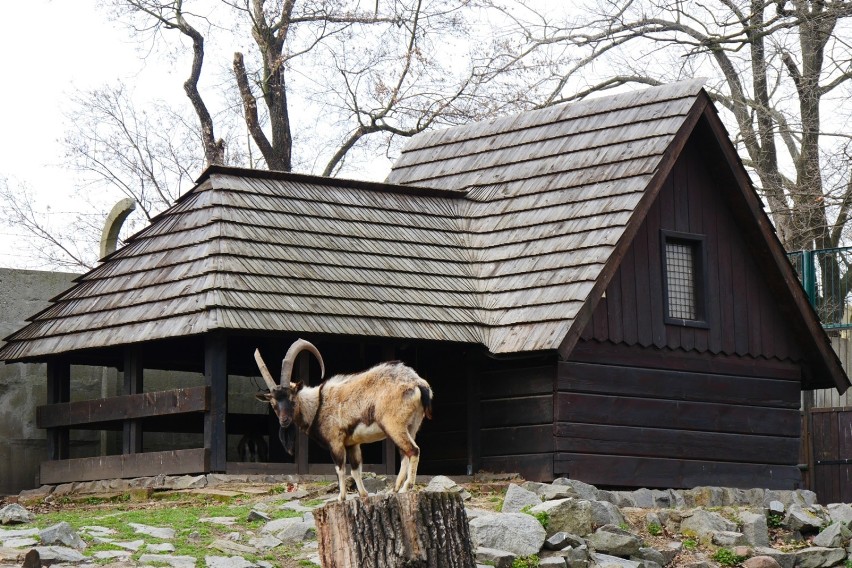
x: 50, y: 48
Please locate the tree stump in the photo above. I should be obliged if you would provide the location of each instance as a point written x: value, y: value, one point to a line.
x: 410, y: 530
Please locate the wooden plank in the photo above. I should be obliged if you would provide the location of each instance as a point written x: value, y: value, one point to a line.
x: 148, y: 464
x: 474, y: 417
x: 628, y: 471
x: 533, y: 467
x: 517, y: 411
x: 216, y: 378
x: 627, y: 274
x: 517, y: 440
x: 614, y: 310
x: 665, y: 359
x: 524, y: 381
x: 677, y: 385
x: 678, y: 415
x: 125, y: 407
x: 642, y: 267
x: 131, y: 440
x: 58, y: 391
x: 664, y: 443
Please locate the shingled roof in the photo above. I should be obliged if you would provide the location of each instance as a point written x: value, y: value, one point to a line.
x: 496, y: 233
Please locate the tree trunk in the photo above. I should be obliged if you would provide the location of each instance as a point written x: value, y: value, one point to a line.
x: 410, y: 530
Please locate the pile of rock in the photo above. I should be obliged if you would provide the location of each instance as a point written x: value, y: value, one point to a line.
x: 566, y: 523
x: 572, y: 524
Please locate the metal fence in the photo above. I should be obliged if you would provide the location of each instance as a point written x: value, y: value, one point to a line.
x: 825, y: 275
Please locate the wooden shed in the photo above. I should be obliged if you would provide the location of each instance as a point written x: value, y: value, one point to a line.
x: 593, y: 290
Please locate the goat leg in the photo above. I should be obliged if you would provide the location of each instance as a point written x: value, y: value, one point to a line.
x: 355, y: 462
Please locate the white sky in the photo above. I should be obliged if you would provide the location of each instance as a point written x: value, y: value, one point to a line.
x: 51, y: 48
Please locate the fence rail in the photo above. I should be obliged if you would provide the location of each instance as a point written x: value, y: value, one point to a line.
x: 826, y: 277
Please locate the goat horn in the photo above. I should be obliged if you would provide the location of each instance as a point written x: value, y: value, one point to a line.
x: 267, y: 376
x: 289, y: 359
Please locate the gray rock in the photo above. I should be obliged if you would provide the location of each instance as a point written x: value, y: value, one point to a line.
x: 669, y: 551
x: 835, y: 535
x: 299, y: 508
x: 113, y: 555
x: 776, y: 506
x: 581, y: 490
x: 14, y: 514
x: 495, y: 557
x: 20, y: 542
x: 296, y: 531
x: 266, y: 542
x: 651, y: 555
x: 817, y: 556
x: 223, y: 521
x: 577, y: 557
x: 375, y: 483
x: 612, y: 540
x: 473, y: 512
x: 761, y: 562
x: 513, y: 532
x: 309, y: 519
x: 59, y: 554
x: 156, y: 532
x: 133, y: 545
x: 547, y: 491
x: 61, y: 533
x: 567, y: 515
x: 643, y: 498
x: 605, y: 513
x: 705, y: 523
x: 552, y: 562
x: 664, y: 499
x: 441, y: 483
x: 171, y: 560
x: 607, y: 561
x: 754, y: 528
x: 231, y: 547
x: 557, y: 541
x: 517, y: 498
x: 784, y: 559
x: 255, y: 515
x: 840, y: 513
x: 35, y: 495
x: 96, y: 530
x: 160, y: 548
x: 729, y: 539
x: 614, y: 497
x: 802, y: 520
x: 228, y: 562
x: 4, y: 534
x: 186, y: 482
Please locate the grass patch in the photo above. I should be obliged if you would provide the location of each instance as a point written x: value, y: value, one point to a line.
x: 531, y: 561
x: 542, y: 517
x: 727, y: 557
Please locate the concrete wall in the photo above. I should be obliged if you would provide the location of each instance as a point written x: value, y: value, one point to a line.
x: 23, y: 386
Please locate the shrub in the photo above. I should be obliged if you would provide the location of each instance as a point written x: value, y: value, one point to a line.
x: 654, y: 529
x: 726, y: 557
x: 531, y: 561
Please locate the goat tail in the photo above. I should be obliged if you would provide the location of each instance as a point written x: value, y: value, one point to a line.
x: 426, y: 400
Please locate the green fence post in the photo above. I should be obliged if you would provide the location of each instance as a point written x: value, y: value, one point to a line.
x: 809, y: 276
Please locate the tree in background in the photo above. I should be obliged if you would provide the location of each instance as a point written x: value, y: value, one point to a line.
x: 313, y: 86
x: 775, y: 65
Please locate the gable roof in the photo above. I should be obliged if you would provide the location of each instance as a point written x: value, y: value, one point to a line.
x: 502, y: 233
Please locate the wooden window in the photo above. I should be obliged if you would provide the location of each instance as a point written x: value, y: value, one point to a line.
x: 683, y: 278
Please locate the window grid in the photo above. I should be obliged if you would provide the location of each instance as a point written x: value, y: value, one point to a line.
x: 680, y: 276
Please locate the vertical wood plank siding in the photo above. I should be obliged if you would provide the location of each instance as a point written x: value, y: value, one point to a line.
x: 648, y: 403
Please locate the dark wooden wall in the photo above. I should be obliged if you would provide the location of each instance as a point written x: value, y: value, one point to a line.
x: 645, y: 403
x: 516, y: 405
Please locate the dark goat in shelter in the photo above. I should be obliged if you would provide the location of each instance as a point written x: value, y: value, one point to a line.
x: 345, y: 411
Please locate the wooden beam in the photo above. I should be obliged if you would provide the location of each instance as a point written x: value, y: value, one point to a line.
x: 58, y: 391
x: 127, y: 407
x: 175, y: 462
x: 133, y: 385
x: 474, y: 420
x: 216, y: 378
x: 260, y: 468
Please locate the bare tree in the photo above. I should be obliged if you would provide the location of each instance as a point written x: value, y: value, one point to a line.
x: 773, y: 64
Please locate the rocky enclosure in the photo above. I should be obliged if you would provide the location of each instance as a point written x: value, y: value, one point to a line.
x: 516, y: 524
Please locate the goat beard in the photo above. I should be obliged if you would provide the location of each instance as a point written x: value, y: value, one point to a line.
x: 288, y: 438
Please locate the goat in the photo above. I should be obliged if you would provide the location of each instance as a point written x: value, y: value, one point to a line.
x: 345, y: 411
x: 252, y: 448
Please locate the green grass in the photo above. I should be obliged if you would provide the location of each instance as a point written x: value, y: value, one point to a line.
x: 192, y: 537
x: 654, y: 529
x: 727, y: 557
x: 531, y: 561
x: 542, y: 517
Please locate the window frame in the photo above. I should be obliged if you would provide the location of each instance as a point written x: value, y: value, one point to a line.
x: 698, y: 245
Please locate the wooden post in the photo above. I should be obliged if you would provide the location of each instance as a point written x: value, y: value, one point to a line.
x: 474, y: 424
x: 388, y: 448
x: 410, y: 530
x: 58, y: 390
x: 133, y: 384
x: 216, y: 377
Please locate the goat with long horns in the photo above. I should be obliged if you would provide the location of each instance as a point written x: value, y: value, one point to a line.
x: 345, y: 411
